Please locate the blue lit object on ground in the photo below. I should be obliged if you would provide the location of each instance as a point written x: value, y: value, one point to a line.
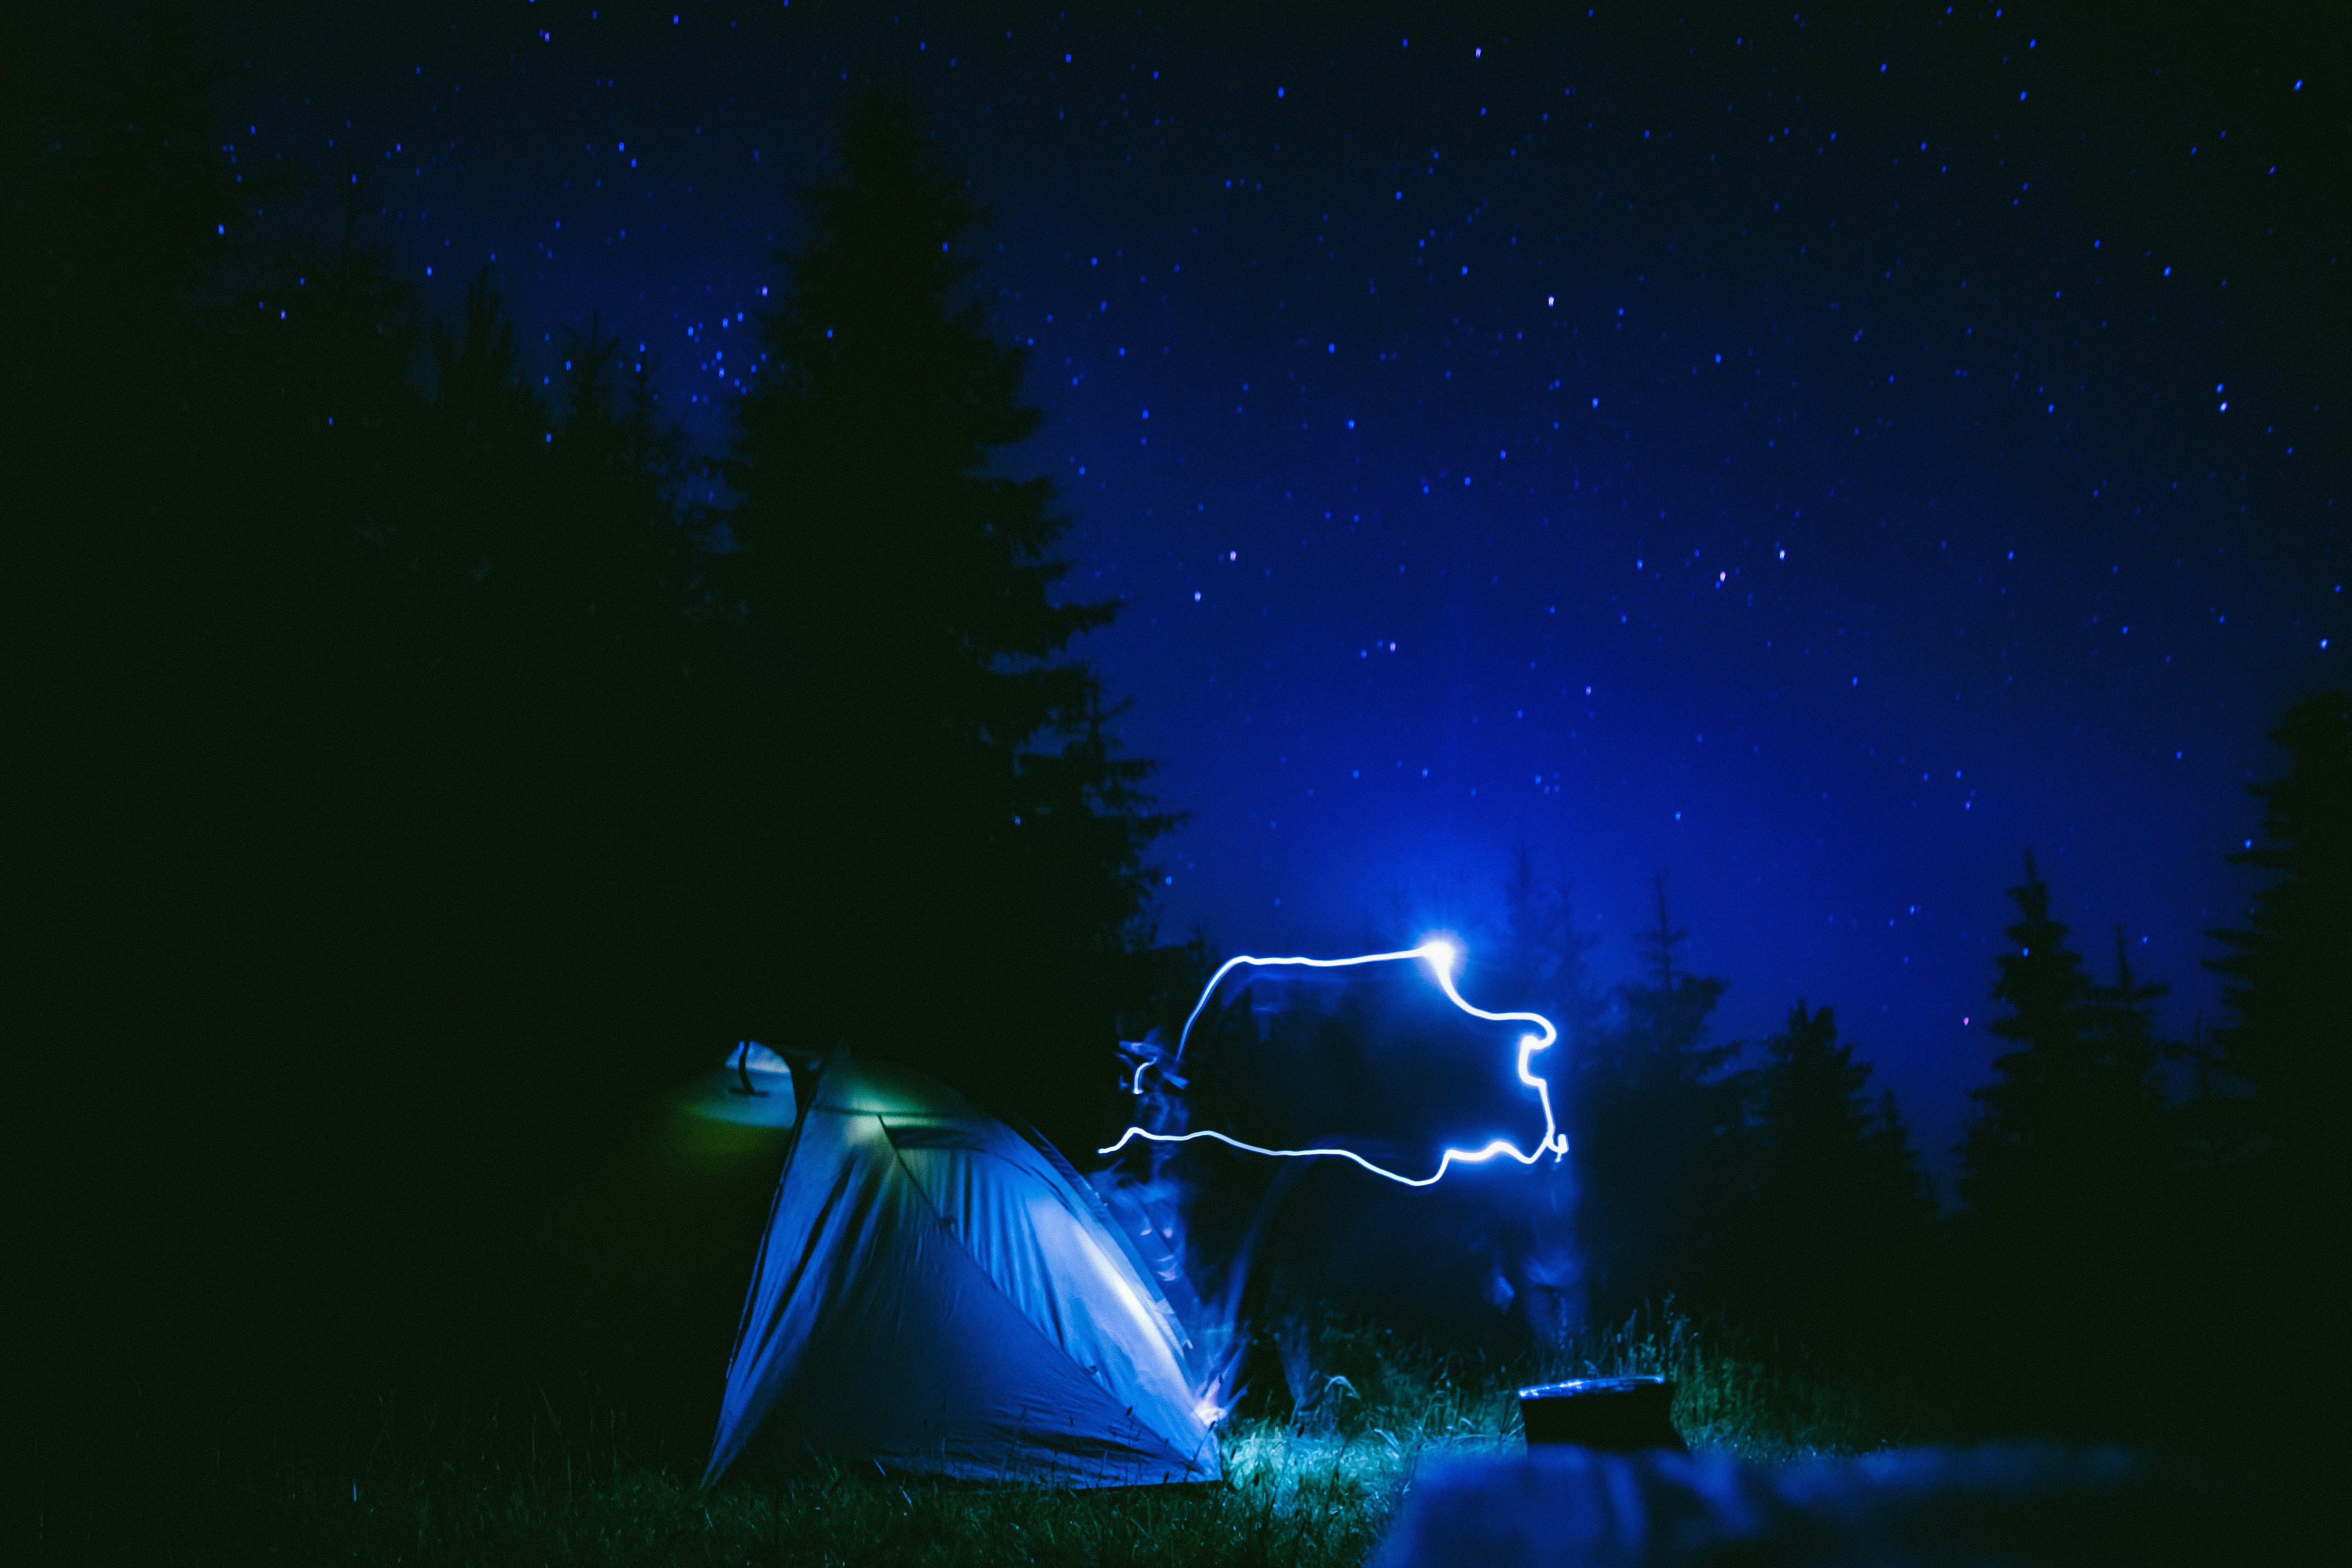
x: 1439, y: 956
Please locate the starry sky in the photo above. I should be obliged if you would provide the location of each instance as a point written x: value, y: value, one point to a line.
x: 1815, y: 453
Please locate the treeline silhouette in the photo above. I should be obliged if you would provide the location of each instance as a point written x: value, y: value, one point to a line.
x: 2140, y: 1218
x: 415, y: 766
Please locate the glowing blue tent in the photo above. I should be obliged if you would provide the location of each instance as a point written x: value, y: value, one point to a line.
x: 939, y: 1295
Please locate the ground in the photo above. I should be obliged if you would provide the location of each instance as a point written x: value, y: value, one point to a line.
x: 409, y: 1479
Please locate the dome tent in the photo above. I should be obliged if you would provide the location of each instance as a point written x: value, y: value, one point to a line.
x: 941, y: 1295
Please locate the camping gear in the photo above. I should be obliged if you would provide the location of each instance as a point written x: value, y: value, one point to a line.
x: 1616, y: 1414
x: 939, y: 1295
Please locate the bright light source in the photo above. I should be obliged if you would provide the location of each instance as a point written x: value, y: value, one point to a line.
x: 1440, y: 955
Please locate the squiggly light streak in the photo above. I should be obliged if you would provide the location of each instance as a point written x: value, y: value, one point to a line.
x: 1439, y: 956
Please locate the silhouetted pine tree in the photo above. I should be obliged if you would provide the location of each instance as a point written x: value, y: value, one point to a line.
x: 622, y: 579
x: 1659, y: 1134
x: 475, y: 550
x: 325, y: 342
x: 192, y: 836
x: 1841, y: 1205
x: 1907, y: 1192
x: 117, y: 197
x: 2132, y: 1128
x: 2018, y: 1149
x: 2275, y: 1199
x: 957, y: 828
x: 2285, y: 969
x: 2065, y: 1169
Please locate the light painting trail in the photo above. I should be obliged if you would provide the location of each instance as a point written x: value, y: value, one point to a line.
x: 1439, y: 956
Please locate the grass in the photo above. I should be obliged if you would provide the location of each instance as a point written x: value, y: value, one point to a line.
x: 447, y: 1484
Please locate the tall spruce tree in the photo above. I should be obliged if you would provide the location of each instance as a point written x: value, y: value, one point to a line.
x: 2065, y: 1169
x: 2130, y: 1126
x: 621, y: 580
x: 116, y: 192
x: 1658, y: 1133
x: 2285, y: 970
x: 1840, y: 1205
x: 960, y: 839
x: 1907, y: 1196
x: 2015, y: 1150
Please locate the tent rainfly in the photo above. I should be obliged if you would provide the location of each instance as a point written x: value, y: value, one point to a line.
x: 939, y: 1295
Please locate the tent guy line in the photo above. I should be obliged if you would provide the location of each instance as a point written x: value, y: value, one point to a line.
x: 1439, y: 956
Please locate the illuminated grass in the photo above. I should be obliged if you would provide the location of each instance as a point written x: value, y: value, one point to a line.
x: 1317, y: 1488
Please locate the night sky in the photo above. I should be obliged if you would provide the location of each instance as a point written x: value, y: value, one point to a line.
x: 1819, y: 457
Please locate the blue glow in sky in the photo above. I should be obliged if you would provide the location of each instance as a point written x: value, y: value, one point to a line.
x: 1820, y: 461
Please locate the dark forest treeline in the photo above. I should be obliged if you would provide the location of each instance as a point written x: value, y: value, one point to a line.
x: 410, y: 773
x: 2127, y: 1201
